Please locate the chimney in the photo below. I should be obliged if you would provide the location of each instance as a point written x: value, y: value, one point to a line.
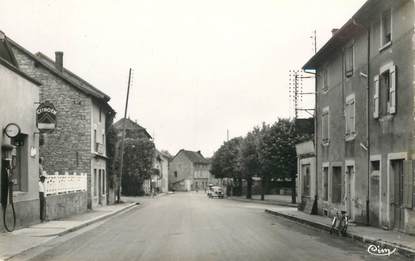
x: 59, y: 61
x: 334, y: 31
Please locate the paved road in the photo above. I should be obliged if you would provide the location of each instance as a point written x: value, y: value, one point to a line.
x: 189, y: 226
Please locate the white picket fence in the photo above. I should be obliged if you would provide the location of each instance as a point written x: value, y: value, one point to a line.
x: 59, y: 184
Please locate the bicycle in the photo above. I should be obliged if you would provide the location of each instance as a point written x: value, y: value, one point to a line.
x: 340, y: 223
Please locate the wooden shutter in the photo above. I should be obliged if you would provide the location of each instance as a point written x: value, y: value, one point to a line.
x: 352, y: 117
x: 392, y: 90
x: 376, y: 98
x: 407, y: 183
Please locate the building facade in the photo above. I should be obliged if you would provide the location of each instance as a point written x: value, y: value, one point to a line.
x: 189, y: 170
x: 77, y: 145
x: 364, y: 117
x: 18, y: 102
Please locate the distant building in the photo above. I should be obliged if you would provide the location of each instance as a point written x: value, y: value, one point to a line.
x: 189, y: 170
x: 132, y: 129
x: 365, y: 117
x: 18, y: 102
x: 77, y: 146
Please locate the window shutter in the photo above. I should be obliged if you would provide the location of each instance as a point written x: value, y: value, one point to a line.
x: 346, y: 117
x: 407, y: 183
x: 392, y: 90
x: 352, y: 117
x: 376, y: 97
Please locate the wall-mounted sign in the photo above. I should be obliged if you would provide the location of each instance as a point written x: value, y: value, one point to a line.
x: 12, y: 130
x: 46, y: 116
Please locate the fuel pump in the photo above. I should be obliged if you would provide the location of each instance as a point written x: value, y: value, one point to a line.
x: 7, y: 187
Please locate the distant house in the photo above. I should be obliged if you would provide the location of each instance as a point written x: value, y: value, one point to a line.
x: 160, y: 175
x: 189, y: 170
x: 75, y: 150
x: 132, y: 129
x: 19, y: 95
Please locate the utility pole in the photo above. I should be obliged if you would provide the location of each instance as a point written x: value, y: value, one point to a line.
x: 227, y: 134
x: 123, y: 138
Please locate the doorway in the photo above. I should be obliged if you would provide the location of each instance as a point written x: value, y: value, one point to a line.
x: 99, y: 187
x: 349, y: 190
x: 397, y: 194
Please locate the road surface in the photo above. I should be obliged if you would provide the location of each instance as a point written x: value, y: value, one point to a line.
x: 189, y: 226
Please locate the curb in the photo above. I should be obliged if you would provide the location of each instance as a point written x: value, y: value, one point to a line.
x: 75, y: 228
x: 275, y: 203
x: 94, y: 220
x: 403, y: 250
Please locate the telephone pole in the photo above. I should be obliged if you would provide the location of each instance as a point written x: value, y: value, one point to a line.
x: 123, y: 138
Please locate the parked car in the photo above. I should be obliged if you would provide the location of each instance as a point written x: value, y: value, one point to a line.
x: 215, y: 192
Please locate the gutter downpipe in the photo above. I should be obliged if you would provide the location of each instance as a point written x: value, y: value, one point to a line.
x: 368, y: 118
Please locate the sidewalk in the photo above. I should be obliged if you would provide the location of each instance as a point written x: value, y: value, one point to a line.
x: 14, y: 243
x: 280, y: 200
x: 405, y: 244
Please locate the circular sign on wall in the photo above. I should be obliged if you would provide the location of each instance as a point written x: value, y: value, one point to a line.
x: 12, y: 130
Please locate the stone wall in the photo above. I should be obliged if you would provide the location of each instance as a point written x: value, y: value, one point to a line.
x: 68, y: 147
x: 64, y: 205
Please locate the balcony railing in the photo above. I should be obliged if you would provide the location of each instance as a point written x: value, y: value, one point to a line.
x: 59, y: 184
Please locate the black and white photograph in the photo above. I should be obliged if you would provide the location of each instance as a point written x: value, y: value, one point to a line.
x: 194, y: 130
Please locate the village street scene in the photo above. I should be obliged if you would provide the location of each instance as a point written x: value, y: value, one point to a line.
x: 207, y: 130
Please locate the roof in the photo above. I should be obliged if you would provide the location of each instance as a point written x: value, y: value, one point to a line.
x: 65, y: 75
x: 193, y: 156
x: 8, y: 60
x: 353, y: 26
x: 130, y: 125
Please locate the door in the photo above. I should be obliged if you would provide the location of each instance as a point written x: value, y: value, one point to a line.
x: 99, y: 186
x: 397, y: 194
x: 348, y: 190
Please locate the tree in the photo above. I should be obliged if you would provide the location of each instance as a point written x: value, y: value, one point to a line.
x: 248, y: 160
x: 225, y: 162
x: 277, y: 153
x: 138, y: 163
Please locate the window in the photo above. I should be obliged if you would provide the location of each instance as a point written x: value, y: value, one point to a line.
x: 325, y: 183
x: 375, y: 167
x: 386, y: 30
x: 325, y: 126
x: 95, y: 139
x: 336, y: 185
x: 350, y: 116
x: 306, y: 179
x: 324, y: 76
x: 384, y: 99
x: 175, y: 174
x: 100, y: 114
x: 349, y: 61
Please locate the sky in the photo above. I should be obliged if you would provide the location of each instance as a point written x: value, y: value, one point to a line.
x: 200, y: 68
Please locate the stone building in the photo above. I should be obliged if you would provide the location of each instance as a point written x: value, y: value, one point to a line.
x: 364, y: 110
x: 18, y: 101
x: 77, y: 145
x: 189, y: 170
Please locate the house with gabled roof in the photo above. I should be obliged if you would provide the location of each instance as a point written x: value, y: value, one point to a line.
x: 77, y: 146
x: 189, y: 170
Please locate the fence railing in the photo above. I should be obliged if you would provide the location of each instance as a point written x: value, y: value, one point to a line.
x: 58, y: 184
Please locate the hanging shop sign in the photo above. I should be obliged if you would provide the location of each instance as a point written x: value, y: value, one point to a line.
x: 46, y: 116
